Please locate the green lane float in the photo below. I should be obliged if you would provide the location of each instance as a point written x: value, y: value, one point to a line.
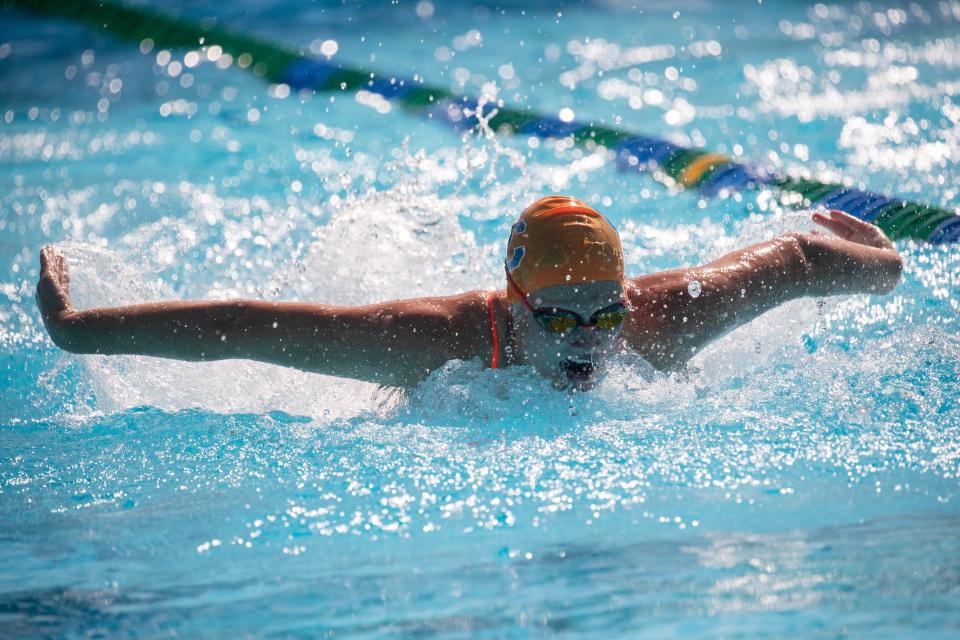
x: 709, y: 173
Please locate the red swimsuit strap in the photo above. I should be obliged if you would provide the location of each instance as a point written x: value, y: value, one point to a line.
x: 495, y: 358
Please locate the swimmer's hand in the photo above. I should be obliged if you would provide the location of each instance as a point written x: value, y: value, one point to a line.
x: 53, y: 296
x: 859, y: 259
x: 854, y: 229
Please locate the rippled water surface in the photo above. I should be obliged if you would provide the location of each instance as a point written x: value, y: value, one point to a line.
x: 802, y: 480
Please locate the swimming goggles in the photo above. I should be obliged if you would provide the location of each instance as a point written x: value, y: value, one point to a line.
x: 561, y: 321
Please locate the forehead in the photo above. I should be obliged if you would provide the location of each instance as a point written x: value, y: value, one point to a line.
x: 585, y: 297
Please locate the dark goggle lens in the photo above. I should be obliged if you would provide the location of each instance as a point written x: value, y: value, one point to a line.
x: 610, y: 319
x: 557, y: 323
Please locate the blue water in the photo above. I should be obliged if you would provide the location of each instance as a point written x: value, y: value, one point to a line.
x: 802, y: 480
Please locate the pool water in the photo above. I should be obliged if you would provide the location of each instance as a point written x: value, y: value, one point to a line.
x: 800, y: 480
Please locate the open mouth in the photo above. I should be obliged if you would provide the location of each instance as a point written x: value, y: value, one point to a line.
x: 577, y: 370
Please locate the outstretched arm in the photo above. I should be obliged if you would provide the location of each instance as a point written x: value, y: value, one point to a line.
x: 669, y: 324
x: 395, y: 343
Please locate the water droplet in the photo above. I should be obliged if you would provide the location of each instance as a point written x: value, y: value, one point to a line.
x: 694, y: 289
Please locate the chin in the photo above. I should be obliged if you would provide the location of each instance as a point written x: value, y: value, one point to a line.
x: 578, y: 385
x: 577, y: 374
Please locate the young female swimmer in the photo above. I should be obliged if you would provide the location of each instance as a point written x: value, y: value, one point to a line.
x: 567, y: 306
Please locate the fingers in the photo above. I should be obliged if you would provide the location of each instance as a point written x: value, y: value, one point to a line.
x: 51, y: 261
x: 63, y: 271
x: 45, y: 257
x: 54, y: 281
x: 848, y: 219
x: 854, y: 224
x: 53, y: 264
x: 854, y: 229
x: 836, y: 226
x: 863, y: 231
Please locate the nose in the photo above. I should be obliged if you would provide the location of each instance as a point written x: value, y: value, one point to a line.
x: 585, y: 336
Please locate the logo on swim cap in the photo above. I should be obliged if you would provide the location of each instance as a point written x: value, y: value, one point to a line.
x: 516, y: 258
x: 518, y: 227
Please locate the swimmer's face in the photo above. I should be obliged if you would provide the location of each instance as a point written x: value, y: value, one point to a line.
x: 575, y: 358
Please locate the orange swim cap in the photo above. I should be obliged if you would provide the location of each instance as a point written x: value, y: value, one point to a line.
x: 561, y: 240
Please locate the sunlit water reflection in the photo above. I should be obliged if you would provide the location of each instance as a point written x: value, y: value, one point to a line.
x: 801, y: 478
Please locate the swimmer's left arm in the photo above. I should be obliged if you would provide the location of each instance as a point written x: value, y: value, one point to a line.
x: 671, y: 321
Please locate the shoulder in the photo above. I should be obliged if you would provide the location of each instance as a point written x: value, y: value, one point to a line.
x: 483, y: 319
x: 463, y: 319
x: 472, y: 313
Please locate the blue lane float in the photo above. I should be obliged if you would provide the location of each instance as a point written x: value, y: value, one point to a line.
x: 685, y: 168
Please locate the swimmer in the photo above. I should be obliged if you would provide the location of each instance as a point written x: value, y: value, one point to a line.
x: 566, y: 307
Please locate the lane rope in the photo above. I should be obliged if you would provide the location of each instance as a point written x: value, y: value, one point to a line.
x: 711, y: 173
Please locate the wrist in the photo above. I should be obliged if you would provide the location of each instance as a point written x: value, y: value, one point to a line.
x: 801, y: 271
x: 65, y: 332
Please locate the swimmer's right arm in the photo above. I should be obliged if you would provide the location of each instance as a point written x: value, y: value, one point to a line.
x: 394, y: 343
